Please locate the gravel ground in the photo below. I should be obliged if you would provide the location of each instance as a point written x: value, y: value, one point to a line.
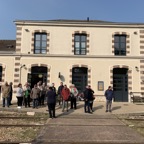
x: 18, y: 134
x: 23, y: 133
x: 135, y: 121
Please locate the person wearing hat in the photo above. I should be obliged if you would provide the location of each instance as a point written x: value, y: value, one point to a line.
x: 51, y: 101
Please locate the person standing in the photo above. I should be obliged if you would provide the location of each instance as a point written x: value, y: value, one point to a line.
x: 27, y: 92
x: 43, y: 93
x: 109, y: 97
x: 91, y: 98
x: 5, y: 94
x: 39, y: 86
x: 19, y: 95
x: 53, y: 87
x: 86, y: 102
x: 65, y: 95
x: 59, y: 93
x: 51, y: 102
x: 11, y: 93
x: 35, y: 94
x: 74, y: 94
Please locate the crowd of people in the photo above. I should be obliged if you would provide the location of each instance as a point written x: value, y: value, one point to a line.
x: 42, y: 93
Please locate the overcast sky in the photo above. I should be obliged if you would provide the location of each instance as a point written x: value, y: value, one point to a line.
x: 107, y: 10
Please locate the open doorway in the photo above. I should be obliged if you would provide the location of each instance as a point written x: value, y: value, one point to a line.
x: 38, y: 73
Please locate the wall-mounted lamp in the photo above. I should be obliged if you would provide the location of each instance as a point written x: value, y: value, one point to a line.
x: 22, y: 66
x: 59, y: 75
x: 135, y: 32
x: 20, y: 71
x: 27, y: 30
x: 137, y: 69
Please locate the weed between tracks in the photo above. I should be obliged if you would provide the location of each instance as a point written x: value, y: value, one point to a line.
x: 20, y: 133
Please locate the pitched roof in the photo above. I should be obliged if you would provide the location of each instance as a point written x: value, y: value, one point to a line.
x: 73, y: 21
x: 7, y: 45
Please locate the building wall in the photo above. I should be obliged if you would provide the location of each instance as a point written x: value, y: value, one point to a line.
x: 100, y: 40
x: 100, y: 70
x: 100, y: 59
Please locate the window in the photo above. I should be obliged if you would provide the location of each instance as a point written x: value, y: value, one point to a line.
x: 80, y: 44
x: 40, y: 43
x: 120, y: 44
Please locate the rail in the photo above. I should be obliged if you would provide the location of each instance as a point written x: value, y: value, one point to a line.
x: 137, y: 96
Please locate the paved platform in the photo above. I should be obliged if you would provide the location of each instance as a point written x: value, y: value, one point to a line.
x: 99, y: 108
x: 77, y: 127
x: 90, y: 129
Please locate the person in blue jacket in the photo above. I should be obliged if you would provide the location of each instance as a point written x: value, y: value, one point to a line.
x: 109, y: 97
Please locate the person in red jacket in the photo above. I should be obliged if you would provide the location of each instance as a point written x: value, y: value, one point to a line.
x: 65, y: 95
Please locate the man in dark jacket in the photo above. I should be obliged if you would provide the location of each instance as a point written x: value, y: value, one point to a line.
x: 11, y: 93
x: 51, y: 102
x: 91, y: 98
x: 109, y: 97
x: 87, y: 99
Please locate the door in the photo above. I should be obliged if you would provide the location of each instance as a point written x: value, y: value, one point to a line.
x: 79, y: 78
x: 37, y: 74
x: 120, y: 85
x: 36, y: 77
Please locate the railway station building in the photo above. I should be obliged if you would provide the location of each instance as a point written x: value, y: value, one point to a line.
x: 80, y: 52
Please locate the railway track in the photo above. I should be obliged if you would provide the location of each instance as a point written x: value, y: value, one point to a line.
x: 9, y: 125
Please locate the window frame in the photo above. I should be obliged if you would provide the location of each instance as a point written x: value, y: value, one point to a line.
x: 120, y: 49
x: 80, y: 44
x: 39, y: 48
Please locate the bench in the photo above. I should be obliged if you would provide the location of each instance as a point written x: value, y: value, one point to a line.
x: 137, y: 97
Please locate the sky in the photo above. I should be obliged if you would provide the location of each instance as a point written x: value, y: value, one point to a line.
x: 107, y: 10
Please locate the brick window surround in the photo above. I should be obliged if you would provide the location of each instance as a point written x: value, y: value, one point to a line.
x: 127, y: 41
x: 87, y: 41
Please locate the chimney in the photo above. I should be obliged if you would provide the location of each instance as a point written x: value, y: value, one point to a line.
x: 87, y: 18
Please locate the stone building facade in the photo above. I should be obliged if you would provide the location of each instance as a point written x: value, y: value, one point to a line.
x: 91, y: 52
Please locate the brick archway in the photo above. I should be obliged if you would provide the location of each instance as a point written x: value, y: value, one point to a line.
x: 82, y: 65
x: 129, y: 75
